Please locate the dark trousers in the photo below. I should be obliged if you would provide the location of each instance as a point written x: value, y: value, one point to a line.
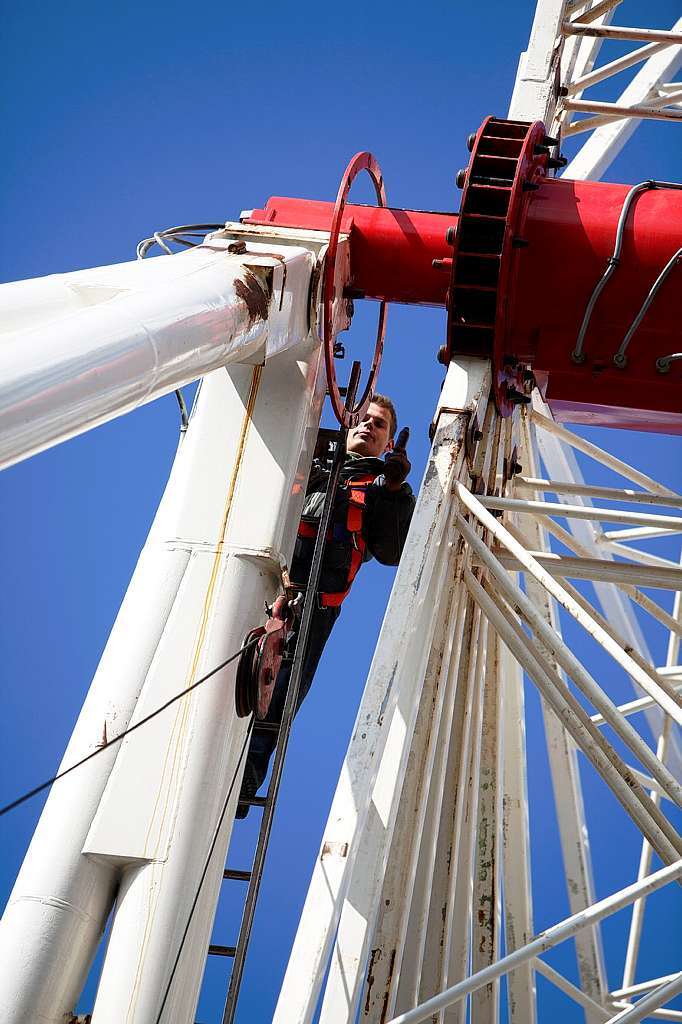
x: 263, y: 743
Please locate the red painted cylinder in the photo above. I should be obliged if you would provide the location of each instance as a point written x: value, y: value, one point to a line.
x: 570, y: 229
x: 392, y: 251
x: 565, y: 233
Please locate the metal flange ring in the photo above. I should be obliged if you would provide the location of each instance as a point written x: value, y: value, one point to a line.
x: 349, y: 417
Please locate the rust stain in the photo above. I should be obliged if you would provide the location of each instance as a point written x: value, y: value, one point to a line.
x: 375, y: 955
x: 384, y: 1009
x: 251, y: 291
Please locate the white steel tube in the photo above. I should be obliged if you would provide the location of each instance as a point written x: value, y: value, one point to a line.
x: 662, y: 692
x: 606, y: 142
x: 641, y: 986
x: 605, y: 458
x: 640, y: 533
x: 612, y: 769
x: 575, y: 993
x: 625, y: 494
x: 643, y: 557
x: 633, y: 593
x: 546, y: 940
x: 202, y: 309
x: 650, y: 112
x: 566, y: 781
x: 518, y: 895
x: 671, y: 524
x: 87, y: 835
x: 654, y: 999
x: 667, y: 577
x: 390, y: 697
x: 578, y: 85
x: 631, y: 708
x: 644, y: 35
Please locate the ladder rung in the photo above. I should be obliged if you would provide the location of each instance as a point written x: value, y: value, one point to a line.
x: 265, y: 726
x: 238, y: 876
x: 253, y: 801
x: 222, y: 950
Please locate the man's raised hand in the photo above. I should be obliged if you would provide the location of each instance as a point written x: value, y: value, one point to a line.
x: 397, y: 465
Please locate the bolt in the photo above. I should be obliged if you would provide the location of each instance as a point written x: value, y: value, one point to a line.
x: 578, y: 357
x: 442, y: 356
x: 663, y: 364
x: 450, y: 235
x: 555, y: 162
x: 550, y: 141
x: 620, y: 360
x: 471, y: 141
x: 477, y: 434
x: 461, y: 177
x: 519, y: 243
x: 541, y: 149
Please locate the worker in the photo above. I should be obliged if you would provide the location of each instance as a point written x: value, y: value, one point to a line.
x: 370, y: 518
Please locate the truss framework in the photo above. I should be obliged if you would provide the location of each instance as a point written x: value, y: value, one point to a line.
x: 420, y: 900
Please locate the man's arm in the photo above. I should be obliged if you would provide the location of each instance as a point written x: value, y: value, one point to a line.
x: 387, y: 520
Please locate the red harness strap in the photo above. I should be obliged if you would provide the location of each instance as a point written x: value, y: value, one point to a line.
x: 357, y: 498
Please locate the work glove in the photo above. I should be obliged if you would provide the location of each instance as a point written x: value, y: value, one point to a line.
x: 397, y: 465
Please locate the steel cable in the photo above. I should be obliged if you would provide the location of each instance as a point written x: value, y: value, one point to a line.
x: 126, y: 732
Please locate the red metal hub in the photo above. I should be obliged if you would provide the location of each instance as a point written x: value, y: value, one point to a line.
x: 575, y: 285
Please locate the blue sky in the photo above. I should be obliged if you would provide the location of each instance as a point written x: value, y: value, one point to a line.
x: 120, y: 120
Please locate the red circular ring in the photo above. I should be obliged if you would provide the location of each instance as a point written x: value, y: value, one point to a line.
x: 349, y: 417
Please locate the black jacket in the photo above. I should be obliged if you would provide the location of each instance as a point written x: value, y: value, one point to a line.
x: 386, y: 521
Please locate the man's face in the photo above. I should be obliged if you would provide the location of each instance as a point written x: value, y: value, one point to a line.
x: 370, y: 437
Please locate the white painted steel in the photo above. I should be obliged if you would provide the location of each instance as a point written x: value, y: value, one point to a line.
x: 668, y: 577
x: 405, y: 895
x: 105, y: 341
x: 388, y: 708
x: 486, y: 923
x: 518, y: 893
x: 568, y: 795
x: 213, y: 556
x: 631, y: 708
x: 642, y: 986
x: 587, y: 448
x: 378, y: 840
x: 560, y: 462
x: 623, y: 494
x: 633, y: 593
x: 581, y: 82
x: 595, y: 1011
x: 661, y: 692
x: 534, y: 94
x: 605, y: 760
x: 639, y: 35
x: 671, y: 524
x: 606, y: 142
x: 546, y: 940
x: 650, y: 1002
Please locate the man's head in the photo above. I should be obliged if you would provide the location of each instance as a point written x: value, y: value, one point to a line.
x: 374, y: 433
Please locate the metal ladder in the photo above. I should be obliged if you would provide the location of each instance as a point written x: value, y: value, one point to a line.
x: 253, y: 876
x: 238, y: 952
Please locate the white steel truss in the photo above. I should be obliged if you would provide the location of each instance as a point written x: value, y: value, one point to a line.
x: 421, y: 896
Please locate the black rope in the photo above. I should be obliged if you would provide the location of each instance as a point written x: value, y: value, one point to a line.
x: 126, y: 732
x: 204, y: 871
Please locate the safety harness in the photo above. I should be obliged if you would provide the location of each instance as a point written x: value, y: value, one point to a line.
x: 341, y: 532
